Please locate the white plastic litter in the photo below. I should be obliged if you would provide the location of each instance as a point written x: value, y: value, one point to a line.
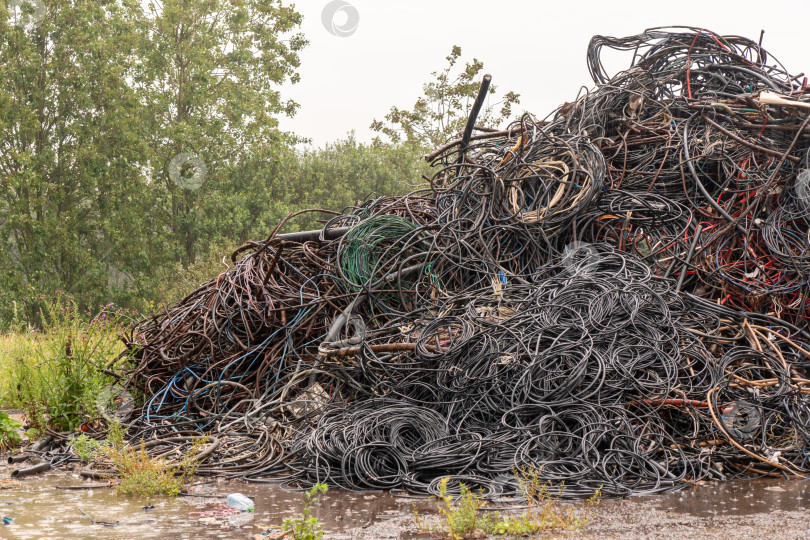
x: 239, y: 502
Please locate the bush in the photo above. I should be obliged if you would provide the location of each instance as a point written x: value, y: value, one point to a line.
x: 9, y: 436
x: 145, y: 476
x: 56, y: 373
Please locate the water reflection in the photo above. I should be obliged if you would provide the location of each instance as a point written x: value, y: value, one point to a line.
x: 40, y: 510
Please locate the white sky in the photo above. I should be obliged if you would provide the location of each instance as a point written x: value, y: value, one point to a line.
x: 534, y: 48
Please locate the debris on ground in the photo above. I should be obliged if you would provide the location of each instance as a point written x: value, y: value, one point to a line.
x: 613, y: 297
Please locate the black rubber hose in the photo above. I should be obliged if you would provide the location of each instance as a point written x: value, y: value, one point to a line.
x: 36, y: 469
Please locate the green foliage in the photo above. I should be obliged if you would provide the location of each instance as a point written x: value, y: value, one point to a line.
x: 462, y: 517
x: 56, y: 373
x: 459, y: 518
x: 443, y: 109
x: 69, y: 151
x: 9, y: 434
x: 209, y: 86
x: 85, y: 447
x: 147, y: 476
x: 96, y: 100
x: 307, y: 527
x: 115, y: 436
x: 344, y: 173
x: 178, y: 280
x: 143, y: 476
x: 542, y: 504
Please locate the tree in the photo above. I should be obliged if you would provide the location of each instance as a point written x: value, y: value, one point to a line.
x: 97, y: 101
x: 345, y: 172
x: 442, y: 111
x: 69, y: 151
x: 209, y: 89
x: 333, y: 177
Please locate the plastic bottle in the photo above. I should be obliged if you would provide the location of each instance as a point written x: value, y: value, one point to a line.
x: 239, y: 502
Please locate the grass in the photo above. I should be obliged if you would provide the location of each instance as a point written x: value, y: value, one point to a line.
x: 55, y: 373
x: 463, y: 517
x: 548, y: 508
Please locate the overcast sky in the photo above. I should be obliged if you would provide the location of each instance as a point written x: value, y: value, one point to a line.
x: 534, y: 48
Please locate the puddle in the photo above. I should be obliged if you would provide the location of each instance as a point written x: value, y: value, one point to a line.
x: 40, y: 510
x: 755, y: 509
x: 740, y: 498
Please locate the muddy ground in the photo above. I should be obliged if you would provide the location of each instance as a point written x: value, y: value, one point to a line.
x: 41, y: 508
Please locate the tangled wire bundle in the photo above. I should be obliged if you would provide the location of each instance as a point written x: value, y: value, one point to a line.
x: 597, y: 374
x: 613, y: 297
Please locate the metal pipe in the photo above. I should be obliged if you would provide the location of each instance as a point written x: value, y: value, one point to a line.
x: 98, y: 474
x: 311, y: 236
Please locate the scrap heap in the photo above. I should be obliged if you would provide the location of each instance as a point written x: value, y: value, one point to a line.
x: 614, y: 297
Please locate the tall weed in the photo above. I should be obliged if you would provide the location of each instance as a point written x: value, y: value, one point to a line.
x: 56, y: 372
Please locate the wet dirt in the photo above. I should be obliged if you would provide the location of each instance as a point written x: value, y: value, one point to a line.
x: 742, y: 509
x: 758, y: 509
